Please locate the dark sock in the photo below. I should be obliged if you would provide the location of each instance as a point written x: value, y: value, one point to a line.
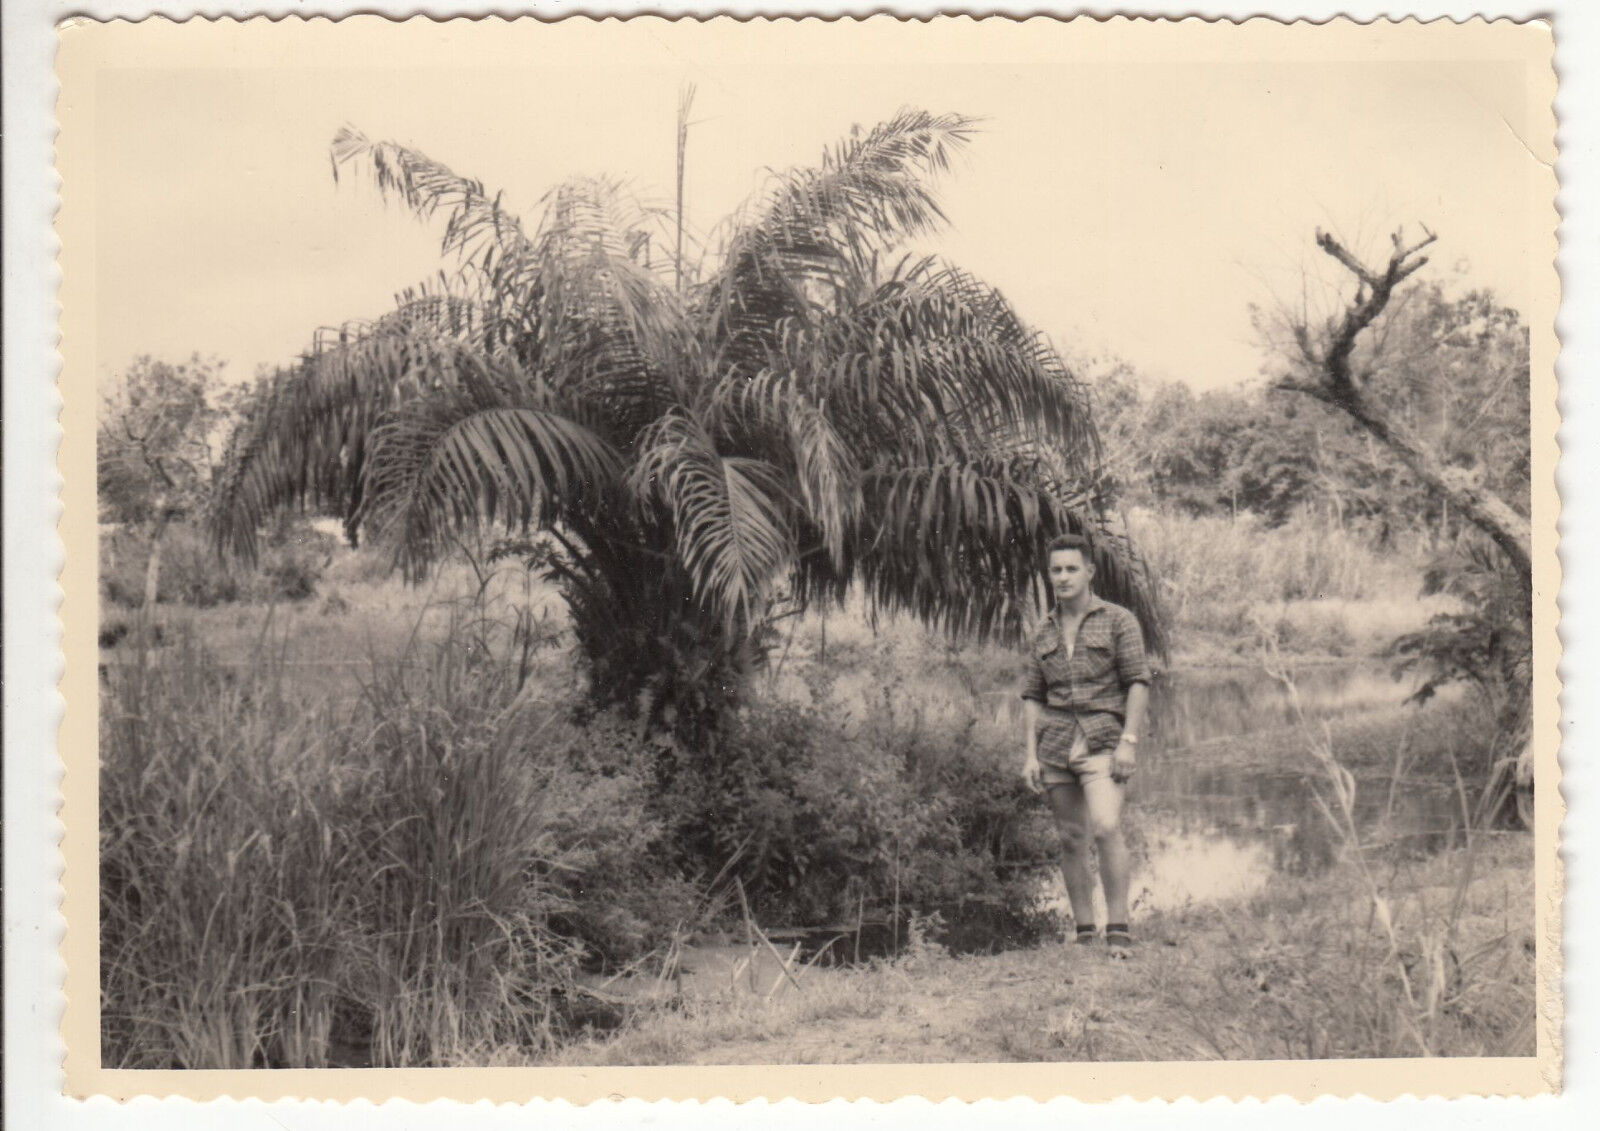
x: 1086, y: 932
x: 1118, y: 934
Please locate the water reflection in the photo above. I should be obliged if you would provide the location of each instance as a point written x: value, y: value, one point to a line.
x: 1178, y: 869
x: 1199, y: 868
x: 1212, y: 818
x: 1210, y: 826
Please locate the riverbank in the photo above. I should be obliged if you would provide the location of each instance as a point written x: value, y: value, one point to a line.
x: 876, y: 774
x: 1303, y: 968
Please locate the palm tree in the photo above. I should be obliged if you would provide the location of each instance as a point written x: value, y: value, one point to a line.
x: 804, y: 409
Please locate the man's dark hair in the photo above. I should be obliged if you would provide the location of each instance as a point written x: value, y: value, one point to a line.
x: 1069, y: 542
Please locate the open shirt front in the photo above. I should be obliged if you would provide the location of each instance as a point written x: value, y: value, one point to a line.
x: 1085, y: 691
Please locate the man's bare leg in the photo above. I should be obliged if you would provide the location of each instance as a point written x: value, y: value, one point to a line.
x: 1068, y: 806
x: 1102, y: 799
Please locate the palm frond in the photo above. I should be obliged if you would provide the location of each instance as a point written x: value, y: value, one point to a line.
x: 770, y: 413
x: 729, y: 513
x: 576, y: 315
x: 304, y: 441
x: 813, y: 227
x: 477, y: 228
x: 957, y: 544
x: 595, y: 254
x: 940, y: 354
x: 591, y: 274
x: 870, y: 191
x: 960, y: 544
x: 448, y: 462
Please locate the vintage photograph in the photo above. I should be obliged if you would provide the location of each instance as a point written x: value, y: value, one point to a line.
x: 699, y: 544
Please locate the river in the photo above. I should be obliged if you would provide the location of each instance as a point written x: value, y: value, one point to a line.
x: 1212, y: 821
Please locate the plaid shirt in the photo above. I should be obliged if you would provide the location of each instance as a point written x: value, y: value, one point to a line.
x: 1087, y: 692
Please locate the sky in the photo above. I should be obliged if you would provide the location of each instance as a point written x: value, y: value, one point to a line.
x: 1132, y: 204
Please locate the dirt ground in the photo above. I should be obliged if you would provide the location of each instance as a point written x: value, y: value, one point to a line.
x: 1302, y: 969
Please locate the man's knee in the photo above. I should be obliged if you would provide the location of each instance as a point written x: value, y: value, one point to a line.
x: 1104, y: 826
x: 1074, y: 835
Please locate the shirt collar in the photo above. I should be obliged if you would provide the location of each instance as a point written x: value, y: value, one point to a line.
x: 1052, y: 623
x: 1096, y: 603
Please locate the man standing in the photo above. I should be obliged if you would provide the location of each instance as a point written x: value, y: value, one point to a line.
x: 1084, y: 702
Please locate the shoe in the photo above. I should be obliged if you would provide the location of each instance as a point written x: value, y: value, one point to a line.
x: 1086, y: 935
x: 1119, y: 941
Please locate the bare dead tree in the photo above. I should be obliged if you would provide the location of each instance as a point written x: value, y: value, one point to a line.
x: 1329, y: 372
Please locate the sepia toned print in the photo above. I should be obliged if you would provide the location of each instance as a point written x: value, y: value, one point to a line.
x: 687, y: 559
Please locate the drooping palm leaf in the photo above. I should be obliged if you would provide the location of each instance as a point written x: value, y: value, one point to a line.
x: 957, y: 544
x: 304, y: 441
x: 477, y: 227
x: 960, y: 546
x: 450, y: 462
x: 729, y: 513
x: 928, y: 371
x: 940, y: 362
x: 576, y: 307
x: 815, y: 225
x: 589, y: 294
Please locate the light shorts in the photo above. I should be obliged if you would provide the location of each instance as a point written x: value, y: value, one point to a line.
x: 1082, y: 767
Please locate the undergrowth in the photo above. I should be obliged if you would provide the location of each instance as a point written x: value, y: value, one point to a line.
x: 419, y: 872
x: 294, y: 877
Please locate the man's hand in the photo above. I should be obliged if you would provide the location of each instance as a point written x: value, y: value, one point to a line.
x: 1123, y: 763
x: 1031, y: 774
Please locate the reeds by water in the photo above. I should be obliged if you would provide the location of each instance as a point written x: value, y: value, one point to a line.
x: 1417, y: 988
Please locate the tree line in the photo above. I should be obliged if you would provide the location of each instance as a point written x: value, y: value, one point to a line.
x: 1455, y: 372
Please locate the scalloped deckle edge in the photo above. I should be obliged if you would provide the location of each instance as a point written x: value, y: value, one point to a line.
x: 88, y: 47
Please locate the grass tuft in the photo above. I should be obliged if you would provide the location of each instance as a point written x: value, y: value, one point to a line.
x: 294, y: 881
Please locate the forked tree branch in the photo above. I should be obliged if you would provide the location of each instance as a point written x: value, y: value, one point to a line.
x: 1326, y: 375
x: 1372, y: 296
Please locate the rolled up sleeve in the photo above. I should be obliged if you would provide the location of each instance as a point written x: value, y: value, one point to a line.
x: 1132, y: 666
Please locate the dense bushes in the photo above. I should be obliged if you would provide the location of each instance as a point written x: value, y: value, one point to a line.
x: 829, y: 814
x: 193, y: 574
x: 427, y: 872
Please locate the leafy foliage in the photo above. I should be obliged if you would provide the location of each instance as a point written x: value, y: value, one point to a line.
x: 1454, y: 371
x: 804, y: 409
x: 290, y: 567
x: 823, y: 815
x: 153, y: 440
x: 1487, y: 644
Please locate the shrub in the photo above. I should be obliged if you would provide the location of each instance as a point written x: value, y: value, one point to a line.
x: 191, y: 573
x: 1484, y: 644
x: 826, y: 816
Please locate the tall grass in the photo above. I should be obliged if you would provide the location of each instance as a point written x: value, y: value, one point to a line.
x: 405, y: 879
x: 1316, y: 586
x: 1206, y: 558
x: 1414, y: 986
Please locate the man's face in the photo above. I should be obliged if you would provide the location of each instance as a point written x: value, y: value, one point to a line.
x: 1069, y: 574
